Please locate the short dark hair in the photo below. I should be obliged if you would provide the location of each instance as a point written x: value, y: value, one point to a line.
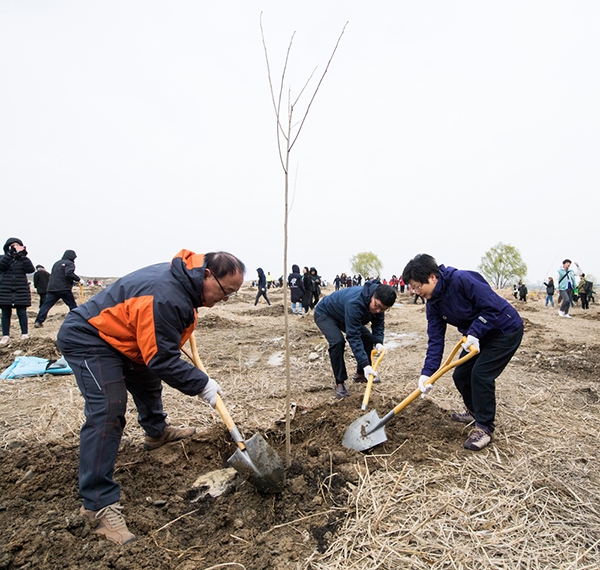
x: 566, y: 261
x: 385, y: 294
x: 222, y: 263
x: 419, y: 268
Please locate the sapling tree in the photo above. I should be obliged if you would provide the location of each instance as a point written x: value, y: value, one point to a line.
x: 291, y: 111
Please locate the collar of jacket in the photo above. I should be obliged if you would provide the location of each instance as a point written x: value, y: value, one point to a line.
x: 188, y: 268
x: 443, y: 281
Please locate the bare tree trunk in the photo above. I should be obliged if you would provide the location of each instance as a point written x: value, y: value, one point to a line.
x: 286, y: 138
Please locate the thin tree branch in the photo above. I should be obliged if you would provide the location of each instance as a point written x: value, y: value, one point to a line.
x: 276, y: 105
x: 317, y: 88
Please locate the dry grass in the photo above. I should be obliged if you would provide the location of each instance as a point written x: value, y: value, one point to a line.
x: 531, y: 500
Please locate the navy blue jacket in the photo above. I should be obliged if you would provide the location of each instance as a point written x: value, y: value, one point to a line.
x: 149, y: 315
x: 349, y: 308
x: 63, y: 274
x: 262, y: 280
x: 465, y: 300
x: 295, y: 285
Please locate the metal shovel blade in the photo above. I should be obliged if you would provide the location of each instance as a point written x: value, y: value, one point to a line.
x: 259, y: 464
x: 358, y: 436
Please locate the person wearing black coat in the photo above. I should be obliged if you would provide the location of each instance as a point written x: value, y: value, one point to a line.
x: 307, y: 282
x: 14, y: 286
x: 262, y: 287
x: 316, y: 289
x: 40, y: 282
x: 296, y: 287
x: 60, y: 284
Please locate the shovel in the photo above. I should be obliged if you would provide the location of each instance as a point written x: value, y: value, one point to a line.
x: 371, y: 377
x: 254, y: 459
x: 368, y: 431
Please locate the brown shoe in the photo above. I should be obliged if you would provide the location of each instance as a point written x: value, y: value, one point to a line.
x: 478, y: 439
x: 170, y: 434
x: 112, y: 523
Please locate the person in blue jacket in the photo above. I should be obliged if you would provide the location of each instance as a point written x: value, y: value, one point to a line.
x: 465, y: 300
x: 348, y: 311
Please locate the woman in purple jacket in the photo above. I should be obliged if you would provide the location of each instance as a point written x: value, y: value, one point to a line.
x: 465, y: 300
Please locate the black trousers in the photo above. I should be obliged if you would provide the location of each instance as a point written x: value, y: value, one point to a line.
x: 337, y: 343
x: 52, y: 297
x: 476, y: 378
x: 261, y: 293
x: 315, y: 299
x: 7, y: 315
x: 104, y: 377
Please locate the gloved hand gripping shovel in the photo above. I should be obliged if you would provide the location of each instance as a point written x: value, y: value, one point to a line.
x: 371, y: 379
x: 254, y: 459
x: 369, y: 430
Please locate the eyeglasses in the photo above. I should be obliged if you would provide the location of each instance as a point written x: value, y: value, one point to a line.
x: 225, y: 294
x: 417, y: 287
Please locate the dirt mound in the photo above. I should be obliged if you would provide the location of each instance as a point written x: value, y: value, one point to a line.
x: 40, y: 347
x: 524, y: 308
x: 273, y: 310
x: 580, y: 360
x: 39, y: 507
x: 211, y: 320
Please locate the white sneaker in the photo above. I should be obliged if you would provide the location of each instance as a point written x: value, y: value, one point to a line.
x: 4, y: 340
x: 567, y: 316
x: 24, y: 336
x: 561, y: 314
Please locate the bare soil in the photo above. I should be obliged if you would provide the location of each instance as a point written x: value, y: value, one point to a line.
x: 555, y: 373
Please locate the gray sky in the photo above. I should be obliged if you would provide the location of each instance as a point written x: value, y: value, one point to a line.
x: 132, y: 129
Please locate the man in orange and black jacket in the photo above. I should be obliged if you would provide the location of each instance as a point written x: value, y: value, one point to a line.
x: 127, y: 338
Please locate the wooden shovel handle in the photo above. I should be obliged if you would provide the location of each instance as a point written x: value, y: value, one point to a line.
x: 448, y: 365
x: 219, y: 405
x: 371, y: 379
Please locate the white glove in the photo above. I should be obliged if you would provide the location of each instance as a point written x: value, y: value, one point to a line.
x: 368, y: 371
x: 471, y: 341
x: 209, y: 394
x: 379, y: 347
x: 425, y: 389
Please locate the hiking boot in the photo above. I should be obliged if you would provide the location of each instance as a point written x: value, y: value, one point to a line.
x: 37, y: 325
x: 465, y: 417
x: 360, y: 378
x: 341, y: 391
x: 4, y: 340
x: 478, y: 439
x: 169, y: 435
x: 112, y: 523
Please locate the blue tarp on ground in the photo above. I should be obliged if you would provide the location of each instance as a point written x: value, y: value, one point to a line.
x: 24, y: 366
